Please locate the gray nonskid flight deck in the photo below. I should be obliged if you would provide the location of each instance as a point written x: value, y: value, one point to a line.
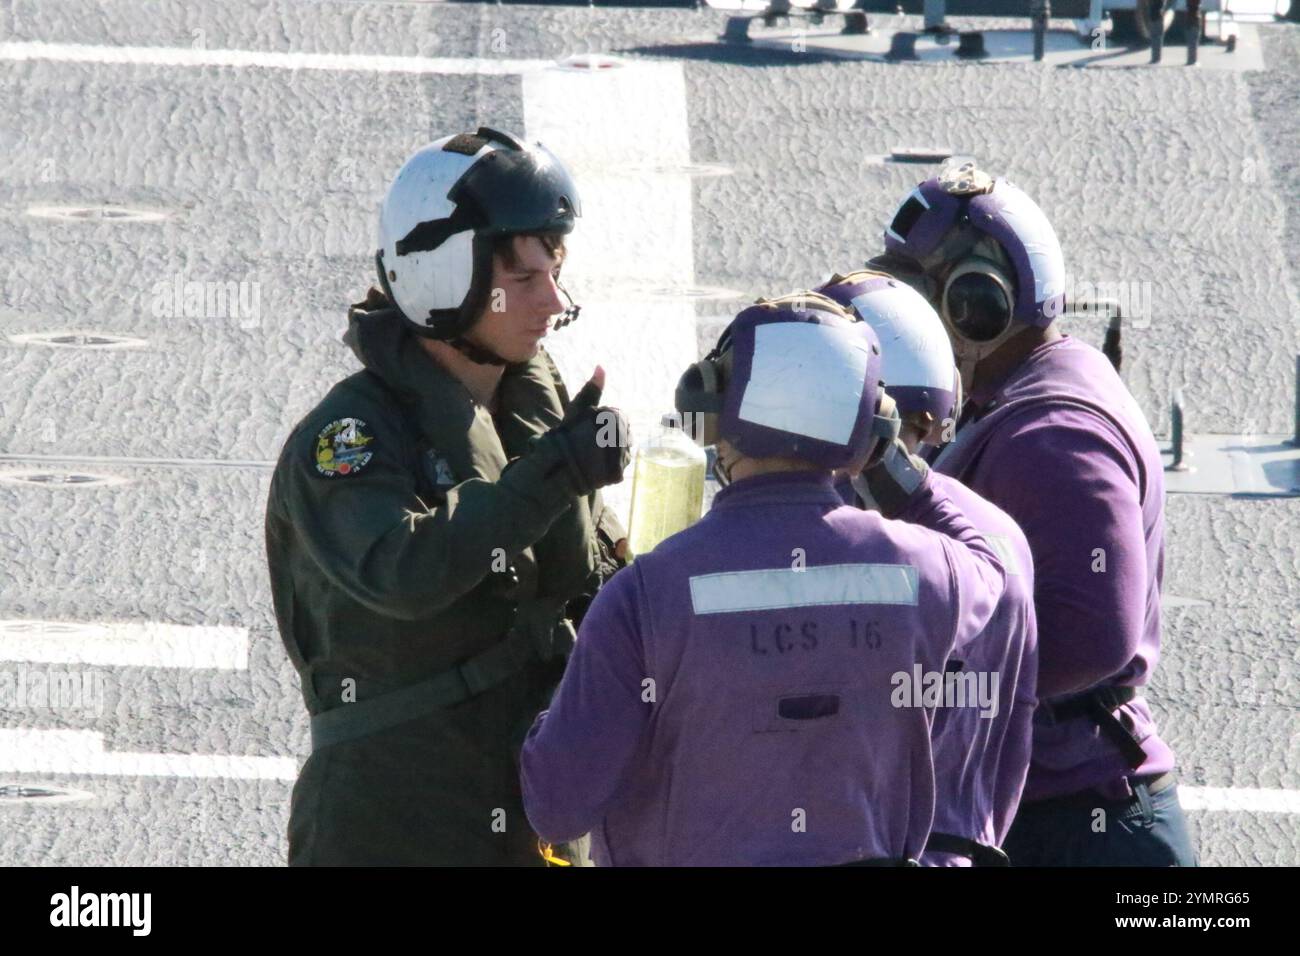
x: 274, y: 175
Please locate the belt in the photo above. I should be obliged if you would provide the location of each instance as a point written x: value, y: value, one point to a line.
x: 467, y: 679
x: 1155, y: 783
x: 1100, y: 704
x: 978, y: 853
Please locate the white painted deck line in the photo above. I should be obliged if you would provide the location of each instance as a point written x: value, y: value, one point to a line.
x: 338, y: 62
x: 124, y: 644
x: 241, y: 464
x: 1239, y: 799
x: 82, y: 752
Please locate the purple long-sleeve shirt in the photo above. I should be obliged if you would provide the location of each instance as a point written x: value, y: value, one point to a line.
x: 736, y: 696
x: 980, y: 759
x: 1061, y: 446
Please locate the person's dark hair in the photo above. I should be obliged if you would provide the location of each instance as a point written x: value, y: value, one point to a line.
x: 503, y: 247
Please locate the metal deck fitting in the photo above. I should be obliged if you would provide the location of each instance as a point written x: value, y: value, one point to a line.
x: 1256, y: 466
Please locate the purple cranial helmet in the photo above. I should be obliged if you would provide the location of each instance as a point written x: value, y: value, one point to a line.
x: 984, y: 255
x: 917, y: 362
x: 794, y: 377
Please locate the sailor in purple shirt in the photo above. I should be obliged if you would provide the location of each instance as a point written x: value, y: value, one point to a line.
x: 741, y: 695
x: 1050, y: 434
x: 981, y: 751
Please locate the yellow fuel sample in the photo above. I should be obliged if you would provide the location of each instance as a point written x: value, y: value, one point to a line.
x: 667, y: 487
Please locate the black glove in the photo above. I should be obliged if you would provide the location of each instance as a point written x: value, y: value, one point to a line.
x: 592, y: 442
x: 888, y: 484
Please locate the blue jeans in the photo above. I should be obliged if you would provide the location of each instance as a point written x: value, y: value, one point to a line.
x: 1145, y: 830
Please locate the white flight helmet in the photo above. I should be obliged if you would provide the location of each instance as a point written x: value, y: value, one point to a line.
x: 447, y: 204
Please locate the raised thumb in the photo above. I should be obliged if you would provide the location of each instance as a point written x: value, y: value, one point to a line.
x: 589, y: 396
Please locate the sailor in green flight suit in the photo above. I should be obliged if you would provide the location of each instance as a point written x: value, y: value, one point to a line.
x: 433, y: 525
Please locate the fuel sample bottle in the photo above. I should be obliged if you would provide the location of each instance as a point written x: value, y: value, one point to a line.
x: 667, y: 487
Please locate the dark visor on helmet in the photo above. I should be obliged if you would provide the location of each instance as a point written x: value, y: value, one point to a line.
x: 519, y: 191
x: 507, y: 191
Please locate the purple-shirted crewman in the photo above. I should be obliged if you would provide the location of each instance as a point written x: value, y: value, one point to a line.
x: 743, y: 694
x: 981, y: 745
x: 1050, y: 434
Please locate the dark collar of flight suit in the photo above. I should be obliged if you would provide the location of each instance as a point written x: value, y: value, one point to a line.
x: 442, y: 409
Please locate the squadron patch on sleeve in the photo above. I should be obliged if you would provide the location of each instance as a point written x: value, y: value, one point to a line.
x: 343, y: 448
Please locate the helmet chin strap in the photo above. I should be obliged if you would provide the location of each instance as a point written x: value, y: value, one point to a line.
x: 885, y: 426
x: 966, y: 369
x: 478, y: 354
x: 721, y: 471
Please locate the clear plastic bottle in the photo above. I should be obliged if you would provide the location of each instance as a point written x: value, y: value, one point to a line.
x: 667, y: 487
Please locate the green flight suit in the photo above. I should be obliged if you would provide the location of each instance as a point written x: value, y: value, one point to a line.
x: 397, y: 552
